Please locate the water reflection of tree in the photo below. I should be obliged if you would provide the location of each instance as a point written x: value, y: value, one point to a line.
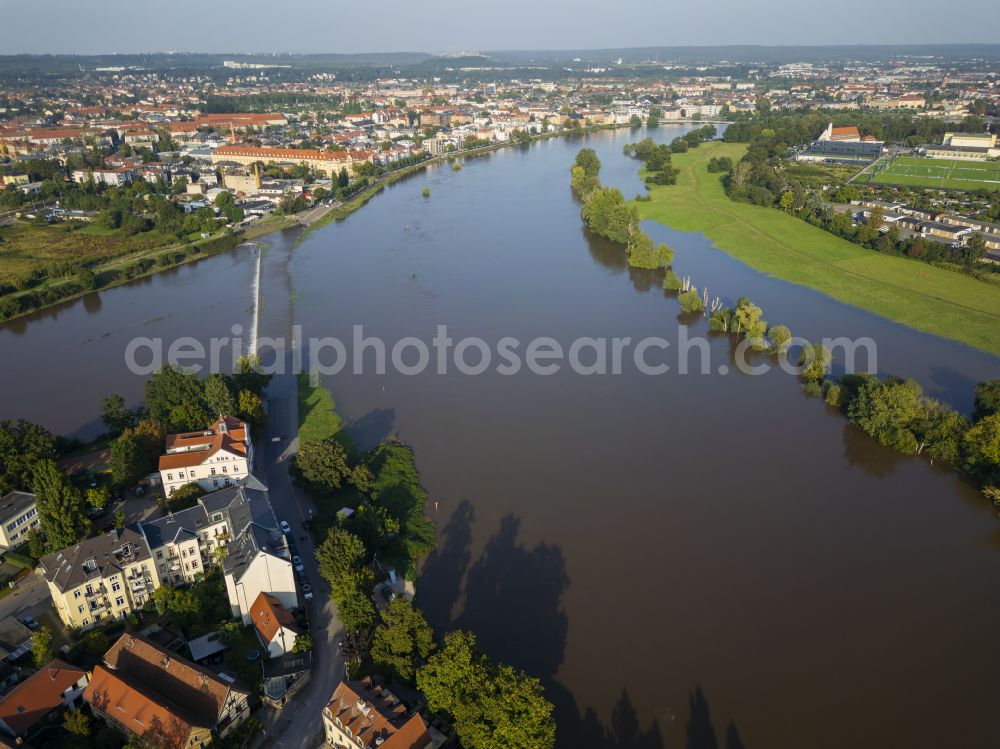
x: 511, y: 597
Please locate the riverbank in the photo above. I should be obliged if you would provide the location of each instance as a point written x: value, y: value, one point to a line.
x: 114, y: 273
x: 919, y: 295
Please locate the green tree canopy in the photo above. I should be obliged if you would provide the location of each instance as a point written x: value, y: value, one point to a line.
x: 403, y: 639
x: 61, y: 508
x: 323, y: 462
x: 492, y: 707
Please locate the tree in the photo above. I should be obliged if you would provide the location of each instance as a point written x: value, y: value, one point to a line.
x: 22, y: 446
x: 219, y: 395
x: 691, y: 301
x: 814, y: 361
x: 888, y: 411
x: 608, y: 215
x: 176, y: 399
x: 362, y: 478
x: 403, y: 639
x: 981, y: 446
x: 323, y: 462
x: 251, y: 408
x: 780, y: 337
x: 303, y: 643
x: 341, y: 560
x: 98, y: 497
x: 77, y: 723
x: 987, y: 399
x: 41, y: 646
x: 374, y: 525
x: 116, y: 417
x: 126, y: 461
x: 787, y: 201
x: 587, y: 160
x: 343, y: 180
x: 61, y: 508
x: 492, y: 707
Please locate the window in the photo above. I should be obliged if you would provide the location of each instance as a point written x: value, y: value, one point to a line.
x: 116, y: 586
x: 80, y: 608
x: 159, y: 555
x: 194, y: 564
x: 213, y: 471
x: 120, y: 601
x: 170, y: 477
x: 76, y: 594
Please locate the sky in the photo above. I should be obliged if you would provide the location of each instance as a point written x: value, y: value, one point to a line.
x: 104, y: 26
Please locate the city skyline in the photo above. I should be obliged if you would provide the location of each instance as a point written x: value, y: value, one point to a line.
x: 316, y: 28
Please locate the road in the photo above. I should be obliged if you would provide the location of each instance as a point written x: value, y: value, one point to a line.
x: 30, y: 597
x: 300, y: 724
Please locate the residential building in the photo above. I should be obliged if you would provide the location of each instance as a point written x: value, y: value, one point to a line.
x: 139, y: 679
x: 100, y: 578
x: 186, y: 543
x: 361, y: 714
x: 330, y: 162
x: 18, y: 516
x: 213, y: 458
x: 15, y: 638
x: 259, y: 561
x: 57, y: 685
x: 275, y: 626
x: 124, y: 705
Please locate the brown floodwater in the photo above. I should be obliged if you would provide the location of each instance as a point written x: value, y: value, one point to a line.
x: 674, y: 556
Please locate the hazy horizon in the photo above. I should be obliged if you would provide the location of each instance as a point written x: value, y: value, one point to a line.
x: 314, y: 27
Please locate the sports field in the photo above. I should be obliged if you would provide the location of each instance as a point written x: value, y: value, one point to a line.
x: 949, y: 174
x: 917, y: 294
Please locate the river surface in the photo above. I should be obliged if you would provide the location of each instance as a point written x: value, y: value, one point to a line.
x: 673, y: 556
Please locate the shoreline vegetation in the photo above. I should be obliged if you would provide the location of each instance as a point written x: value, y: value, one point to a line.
x: 892, y: 411
x: 922, y: 296
x: 372, y: 515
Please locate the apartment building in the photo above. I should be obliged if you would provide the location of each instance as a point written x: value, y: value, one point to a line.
x: 185, y: 544
x: 213, y: 458
x: 18, y: 516
x: 147, y: 690
x: 259, y: 561
x: 361, y: 714
x: 101, y: 578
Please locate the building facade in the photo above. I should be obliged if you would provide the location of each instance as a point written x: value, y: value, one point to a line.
x: 18, y: 517
x: 213, y: 458
x: 101, y: 578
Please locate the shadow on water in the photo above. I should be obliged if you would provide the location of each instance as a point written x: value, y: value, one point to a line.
x: 511, y: 598
x: 373, y: 428
x: 611, y: 255
x: 874, y: 459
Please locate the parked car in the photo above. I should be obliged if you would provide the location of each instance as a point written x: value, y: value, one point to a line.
x: 30, y: 623
x: 297, y: 563
x: 387, y: 592
x: 285, y: 528
x: 307, y: 592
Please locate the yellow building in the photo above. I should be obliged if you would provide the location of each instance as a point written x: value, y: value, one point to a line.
x: 101, y: 578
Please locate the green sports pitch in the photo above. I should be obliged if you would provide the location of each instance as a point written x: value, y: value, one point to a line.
x: 945, y: 174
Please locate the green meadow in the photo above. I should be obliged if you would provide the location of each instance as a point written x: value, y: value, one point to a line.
x: 931, y: 299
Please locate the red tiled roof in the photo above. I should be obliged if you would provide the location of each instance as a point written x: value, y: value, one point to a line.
x: 37, y: 696
x: 369, y: 712
x: 198, y: 692
x: 269, y: 616
x: 124, y: 702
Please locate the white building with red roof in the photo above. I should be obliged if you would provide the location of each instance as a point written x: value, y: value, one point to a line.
x: 213, y: 458
x: 364, y: 714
